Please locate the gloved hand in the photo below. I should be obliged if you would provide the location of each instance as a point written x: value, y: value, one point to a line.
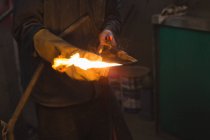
x: 92, y: 74
x: 49, y: 46
x: 106, y: 40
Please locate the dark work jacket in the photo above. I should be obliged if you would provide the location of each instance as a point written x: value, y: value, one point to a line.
x: 53, y: 88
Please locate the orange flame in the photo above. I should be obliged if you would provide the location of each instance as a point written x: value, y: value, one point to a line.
x: 82, y: 63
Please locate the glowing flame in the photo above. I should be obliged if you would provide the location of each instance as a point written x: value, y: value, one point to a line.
x: 82, y: 63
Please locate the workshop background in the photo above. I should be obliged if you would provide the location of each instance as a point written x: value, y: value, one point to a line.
x: 165, y: 96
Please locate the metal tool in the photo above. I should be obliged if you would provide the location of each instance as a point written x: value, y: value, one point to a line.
x: 117, y: 56
x: 9, y: 128
x: 114, y: 54
x: 108, y: 44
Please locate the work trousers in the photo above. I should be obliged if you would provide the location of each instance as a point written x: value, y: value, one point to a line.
x: 98, y: 119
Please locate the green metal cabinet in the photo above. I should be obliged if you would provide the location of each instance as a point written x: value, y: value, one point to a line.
x: 182, y: 67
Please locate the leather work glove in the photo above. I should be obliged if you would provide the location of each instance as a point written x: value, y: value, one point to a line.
x: 107, y: 40
x: 50, y: 46
x: 93, y: 74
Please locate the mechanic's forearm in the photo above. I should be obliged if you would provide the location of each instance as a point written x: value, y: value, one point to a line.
x: 28, y: 19
x: 49, y: 45
x: 113, y: 17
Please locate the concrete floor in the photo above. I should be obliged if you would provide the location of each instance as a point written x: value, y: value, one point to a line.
x: 142, y: 129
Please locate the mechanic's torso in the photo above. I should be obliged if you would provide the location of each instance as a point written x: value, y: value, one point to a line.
x: 59, y: 14
x: 54, y: 88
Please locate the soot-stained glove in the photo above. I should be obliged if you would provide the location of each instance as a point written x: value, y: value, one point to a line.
x: 50, y: 46
x: 106, y: 40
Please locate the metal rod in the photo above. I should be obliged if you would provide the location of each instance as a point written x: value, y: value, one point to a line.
x: 23, y: 101
x: 74, y: 25
x: 6, y: 14
x: 24, y: 98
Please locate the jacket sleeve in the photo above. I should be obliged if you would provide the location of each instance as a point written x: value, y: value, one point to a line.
x: 28, y: 19
x: 112, y: 16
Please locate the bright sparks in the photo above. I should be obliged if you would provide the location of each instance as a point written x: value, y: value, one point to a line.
x: 82, y: 63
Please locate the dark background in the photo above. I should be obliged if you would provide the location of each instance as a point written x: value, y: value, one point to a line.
x: 137, y: 39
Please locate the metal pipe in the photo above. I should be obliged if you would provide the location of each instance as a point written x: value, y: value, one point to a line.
x: 23, y: 100
x: 6, y: 14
